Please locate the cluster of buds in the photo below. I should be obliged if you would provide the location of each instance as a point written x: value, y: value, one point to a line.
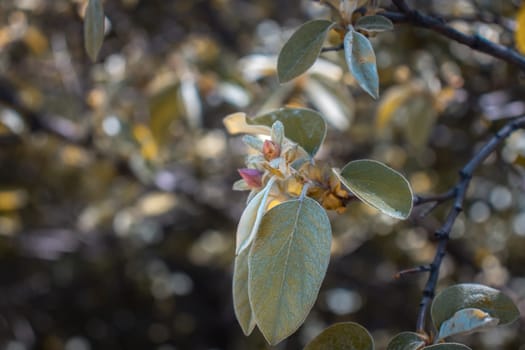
x: 291, y: 169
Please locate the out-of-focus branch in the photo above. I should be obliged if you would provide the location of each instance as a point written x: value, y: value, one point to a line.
x: 476, y: 42
x: 457, y: 193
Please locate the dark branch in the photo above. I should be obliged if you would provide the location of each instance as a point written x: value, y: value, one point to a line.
x: 458, y: 193
x: 476, y: 42
x: 414, y: 270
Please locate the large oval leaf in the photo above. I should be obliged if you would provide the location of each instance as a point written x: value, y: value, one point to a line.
x: 303, y: 126
x: 241, y: 302
x: 342, y: 336
x: 251, y: 218
x: 287, y: 263
x: 466, y: 321
x: 361, y: 61
x: 302, y: 49
x: 447, y: 346
x: 379, y: 186
x: 406, y: 341
x: 93, y: 28
x: 462, y: 296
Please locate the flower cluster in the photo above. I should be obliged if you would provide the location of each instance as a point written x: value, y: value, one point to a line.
x: 291, y: 168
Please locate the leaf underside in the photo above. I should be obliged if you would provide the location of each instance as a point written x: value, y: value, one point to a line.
x: 287, y: 263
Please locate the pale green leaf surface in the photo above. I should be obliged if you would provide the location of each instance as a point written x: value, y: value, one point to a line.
x: 251, y: 218
x: 406, y: 341
x: 462, y: 296
x: 375, y: 23
x: 466, y: 321
x: 93, y: 28
x: 302, y: 49
x: 342, y: 336
x: 287, y: 263
x: 336, y: 104
x: 241, y: 302
x: 379, y: 186
x: 303, y: 126
x: 361, y: 61
x: 447, y: 346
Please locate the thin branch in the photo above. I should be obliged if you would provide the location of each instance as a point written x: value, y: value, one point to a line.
x: 476, y: 42
x: 414, y: 270
x: 459, y: 191
x: 438, y: 198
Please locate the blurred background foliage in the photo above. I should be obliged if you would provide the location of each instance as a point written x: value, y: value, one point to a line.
x: 117, y: 217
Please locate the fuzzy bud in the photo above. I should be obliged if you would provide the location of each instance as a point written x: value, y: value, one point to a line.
x: 253, y: 177
x: 271, y: 150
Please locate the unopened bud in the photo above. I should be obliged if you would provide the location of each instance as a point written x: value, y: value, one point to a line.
x: 253, y: 177
x: 271, y: 150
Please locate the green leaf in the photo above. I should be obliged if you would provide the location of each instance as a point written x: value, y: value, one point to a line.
x: 287, y: 263
x: 303, y: 126
x: 466, y: 321
x: 361, y: 61
x: 164, y: 109
x: 302, y: 49
x: 462, y: 296
x: 241, y: 303
x: 421, y: 116
x: 379, y: 186
x: 447, y: 346
x: 406, y: 341
x: 93, y: 28
x: 342, y: 336
x: 251, y: 218
x: 375, y: 23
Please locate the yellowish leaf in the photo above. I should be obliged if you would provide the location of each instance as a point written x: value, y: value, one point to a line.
x: 520, y: 30
x: 393, y: 98
x: 236, y: 124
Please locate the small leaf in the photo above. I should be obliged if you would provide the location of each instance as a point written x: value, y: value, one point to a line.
x: 361, y: 61
x: 462, y: 296
x: 251, y: 218
x: 164, y: 109
x: 287, y: 263
x: 447, y: 346
x: 390, y: 103
x: 342, y: 336
x: 93, y: 28
x: 466, y: 321
x: 375, y: 23
x: 406, y: 341
x: 236, y: 123
x: 420, y: 118
x: 379, y: 186
x: 302, y: 49
x: 303, y: 126
x: 241, y: 303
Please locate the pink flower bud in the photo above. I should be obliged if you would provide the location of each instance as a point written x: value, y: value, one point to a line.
x: 271, y: 150
x: 253, y: 177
